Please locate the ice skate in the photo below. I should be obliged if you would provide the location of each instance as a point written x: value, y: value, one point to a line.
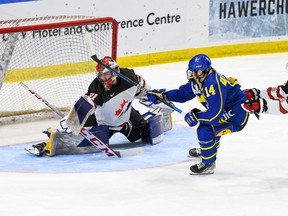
x: 38, y: 149
x: 202, y: 169
x: 195, y: 153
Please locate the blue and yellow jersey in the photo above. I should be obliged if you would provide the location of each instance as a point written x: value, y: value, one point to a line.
x: 218, y: 94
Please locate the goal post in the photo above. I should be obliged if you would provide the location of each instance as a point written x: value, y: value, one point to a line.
x: 51, y: 56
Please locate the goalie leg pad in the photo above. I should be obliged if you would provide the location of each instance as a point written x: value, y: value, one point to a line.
x: 101, y: 132
x: 156, y: 132
x: 62, y: 143
x: 83, y: 107
x: 166, y: 117
x: 79, y: 114
x: 156, y: 129
x: 167, y: 120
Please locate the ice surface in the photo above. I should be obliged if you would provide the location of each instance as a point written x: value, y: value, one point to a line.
x: 251, y: 176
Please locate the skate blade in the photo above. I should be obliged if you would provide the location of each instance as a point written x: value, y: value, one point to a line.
x: 33, y: 151
x: 206, y: 173
x: 131, y: 152
x: 193, y: 157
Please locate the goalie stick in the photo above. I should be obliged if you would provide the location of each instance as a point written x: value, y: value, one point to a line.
x: 87, y: 134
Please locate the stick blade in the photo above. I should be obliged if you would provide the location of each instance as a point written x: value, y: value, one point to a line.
x: 95, y: 58
x: 131, y: 152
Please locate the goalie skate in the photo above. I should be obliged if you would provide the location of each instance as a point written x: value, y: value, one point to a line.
x: 38, y: 149
x: 60, y: 142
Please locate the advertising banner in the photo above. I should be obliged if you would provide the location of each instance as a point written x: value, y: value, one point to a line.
x: 144, y: 26
x: 242, y: 19
x: 147, y: 26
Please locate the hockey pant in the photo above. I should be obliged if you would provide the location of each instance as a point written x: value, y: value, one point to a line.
x: 209, y: 137
x: 148, y: 127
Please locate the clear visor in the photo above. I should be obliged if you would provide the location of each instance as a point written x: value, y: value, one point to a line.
x: 104, y: 75
x: 189, y: 74
x: 194, y: 74
x: 106, y: 71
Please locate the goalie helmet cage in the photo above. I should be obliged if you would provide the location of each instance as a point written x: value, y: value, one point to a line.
x: 51, y: 55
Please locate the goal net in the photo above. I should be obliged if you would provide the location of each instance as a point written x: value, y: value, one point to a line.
x: 51, y: 56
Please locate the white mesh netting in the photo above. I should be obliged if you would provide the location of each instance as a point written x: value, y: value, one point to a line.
x: 51, y: 56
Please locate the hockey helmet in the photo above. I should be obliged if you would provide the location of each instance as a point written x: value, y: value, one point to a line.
x: 104, y: 75
x: 200, y: 62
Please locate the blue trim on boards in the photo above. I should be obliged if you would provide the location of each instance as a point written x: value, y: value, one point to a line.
x: 14, y: 1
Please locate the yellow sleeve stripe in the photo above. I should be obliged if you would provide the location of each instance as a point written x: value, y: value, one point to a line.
x: 233, y: 81
x: 246, y: 118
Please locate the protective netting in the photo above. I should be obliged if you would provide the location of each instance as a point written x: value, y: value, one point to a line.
x: 51, y: 56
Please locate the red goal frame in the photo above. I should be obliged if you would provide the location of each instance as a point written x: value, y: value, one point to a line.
x: 61, y: 24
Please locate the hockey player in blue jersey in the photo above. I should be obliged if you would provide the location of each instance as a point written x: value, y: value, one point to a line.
x: 223, y: 114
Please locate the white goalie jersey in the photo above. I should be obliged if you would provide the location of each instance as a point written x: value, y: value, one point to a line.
x: 114, y: 106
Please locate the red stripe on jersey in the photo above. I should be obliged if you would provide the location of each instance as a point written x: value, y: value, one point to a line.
x: 269, y: 93
x: 282, y: 109
x: 278, y: 92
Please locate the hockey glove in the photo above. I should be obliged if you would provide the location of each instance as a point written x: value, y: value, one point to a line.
x: 257, y: 107
x: 191, y: 118
x: 253, y: 94
x: 155, y: 94
x: 254, y: 103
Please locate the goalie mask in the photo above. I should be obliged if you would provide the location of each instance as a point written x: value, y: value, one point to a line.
x: 105, y: 76
x: 198, y: 67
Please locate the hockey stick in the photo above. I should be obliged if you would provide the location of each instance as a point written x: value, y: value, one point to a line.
x: 86, y: 133
x: 94, y: 57
x: 58, y: 112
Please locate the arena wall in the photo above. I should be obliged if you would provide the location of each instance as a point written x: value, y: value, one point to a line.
x: 162, y: 31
